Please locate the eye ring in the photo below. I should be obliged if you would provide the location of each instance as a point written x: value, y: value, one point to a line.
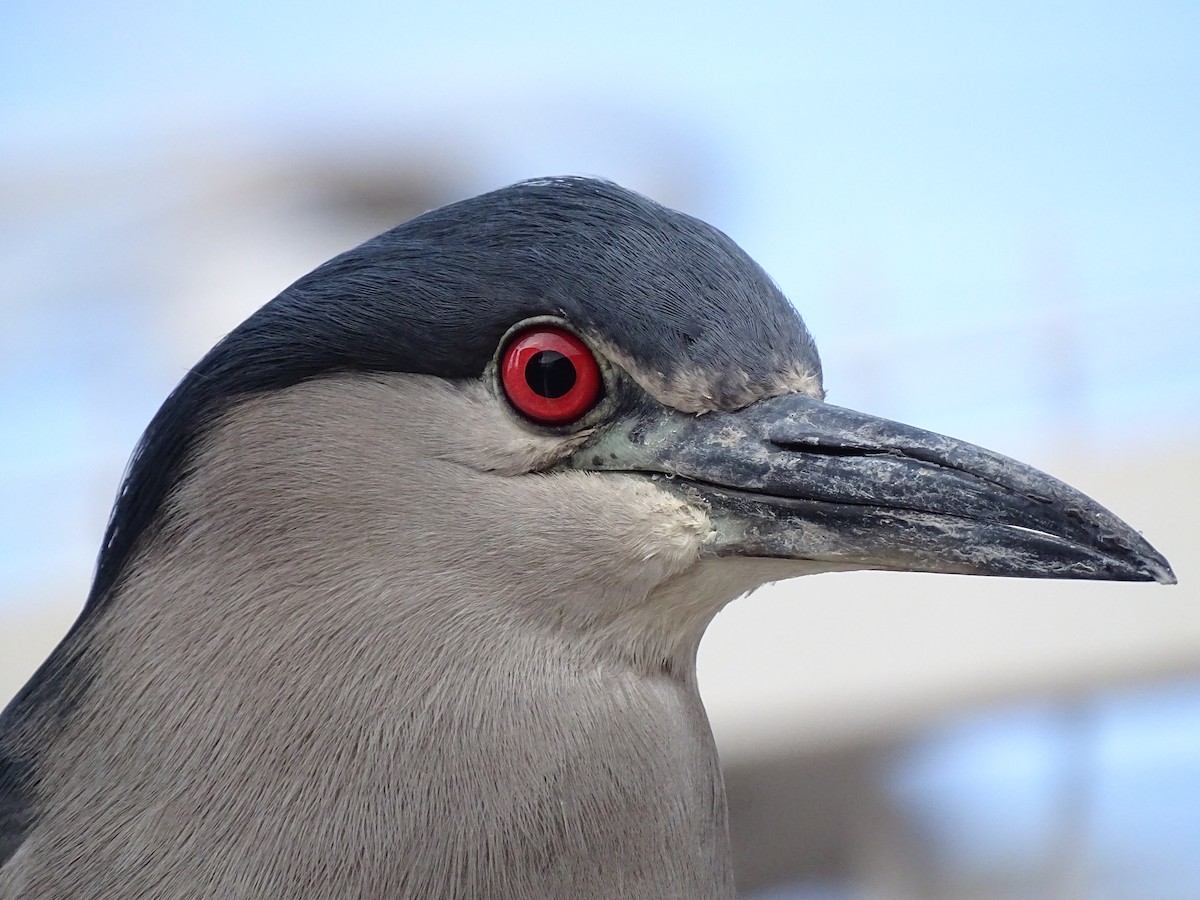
x: 549, y: 375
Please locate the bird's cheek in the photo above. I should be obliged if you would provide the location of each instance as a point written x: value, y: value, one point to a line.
x: 627, y: 528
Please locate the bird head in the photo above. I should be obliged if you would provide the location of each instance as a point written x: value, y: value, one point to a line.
x: 402, y: 592
x: 596, y: 413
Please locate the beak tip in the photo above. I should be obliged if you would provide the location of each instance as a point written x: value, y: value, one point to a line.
x: 1153, y: 566
x: 1160, y: 570
x: 1149, y: 564
x: 1136, y: 560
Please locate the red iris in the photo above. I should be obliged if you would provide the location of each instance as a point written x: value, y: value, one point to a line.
x: 550, y: 375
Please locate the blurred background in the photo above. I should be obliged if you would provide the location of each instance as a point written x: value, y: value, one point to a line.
x: 989, y: 215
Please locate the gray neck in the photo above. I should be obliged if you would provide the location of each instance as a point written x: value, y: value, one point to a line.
x: 306, y: 762
x: 310, y: 706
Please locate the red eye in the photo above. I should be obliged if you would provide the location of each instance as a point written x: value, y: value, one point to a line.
x: 550, y: 375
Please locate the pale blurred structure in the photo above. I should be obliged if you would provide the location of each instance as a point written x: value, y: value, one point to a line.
x: 989, y: 223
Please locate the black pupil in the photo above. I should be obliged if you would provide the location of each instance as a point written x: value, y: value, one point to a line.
x: 550, y: 374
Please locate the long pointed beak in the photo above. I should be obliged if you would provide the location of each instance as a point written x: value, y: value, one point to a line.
x: 797, y: 478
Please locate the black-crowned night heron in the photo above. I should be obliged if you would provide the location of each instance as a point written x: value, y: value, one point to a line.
x: 402, y: 593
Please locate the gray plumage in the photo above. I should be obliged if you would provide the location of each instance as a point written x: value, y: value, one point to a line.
x: 361, y: 629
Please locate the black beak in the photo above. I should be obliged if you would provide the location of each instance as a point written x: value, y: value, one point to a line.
x: 793, y: 477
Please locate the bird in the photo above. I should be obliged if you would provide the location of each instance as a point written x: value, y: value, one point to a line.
x: 402, y: 591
